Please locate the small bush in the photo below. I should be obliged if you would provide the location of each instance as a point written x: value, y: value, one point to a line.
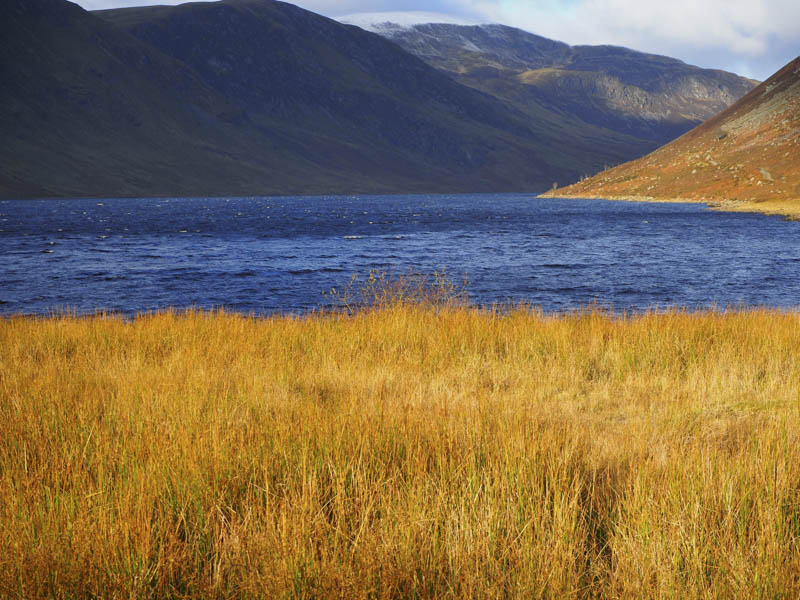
x: 381, y: 290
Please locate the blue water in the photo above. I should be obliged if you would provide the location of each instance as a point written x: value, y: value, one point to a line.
x: 273, y: 254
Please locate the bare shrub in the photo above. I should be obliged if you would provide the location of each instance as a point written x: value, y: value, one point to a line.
x: 381, y: 290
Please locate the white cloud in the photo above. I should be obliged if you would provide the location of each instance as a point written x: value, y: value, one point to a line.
x: 380, y: 22
x: 739, y: 24
x: 101, y: 4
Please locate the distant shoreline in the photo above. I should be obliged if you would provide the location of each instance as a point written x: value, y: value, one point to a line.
x: 789, y: 208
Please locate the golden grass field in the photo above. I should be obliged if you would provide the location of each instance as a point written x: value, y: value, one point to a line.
x: 406, y: 451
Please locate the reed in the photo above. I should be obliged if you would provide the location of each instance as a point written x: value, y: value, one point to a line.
x: 401, y: 451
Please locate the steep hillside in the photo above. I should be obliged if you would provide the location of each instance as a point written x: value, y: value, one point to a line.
x: 653, y: 98
x: 745, y: 158
x: 251, y: 97
x: 291, y: 66
x: 87, y: 109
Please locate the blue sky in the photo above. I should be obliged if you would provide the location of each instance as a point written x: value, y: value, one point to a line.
x: 750, y: 37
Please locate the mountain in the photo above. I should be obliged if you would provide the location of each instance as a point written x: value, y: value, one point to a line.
x: 652, y: 98
x: 87, y: 109
x: 746, y: 158
x: 290, y: 65
x: 252, y: 97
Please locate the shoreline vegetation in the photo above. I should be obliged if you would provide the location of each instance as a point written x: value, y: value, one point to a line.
x: 785, y: 207
x: 409, y: 446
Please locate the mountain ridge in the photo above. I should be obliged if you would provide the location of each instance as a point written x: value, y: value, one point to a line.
x: 253, y: 97
x: 652, y: 97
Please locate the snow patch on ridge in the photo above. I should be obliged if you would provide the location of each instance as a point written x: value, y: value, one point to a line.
x: 385, y: 22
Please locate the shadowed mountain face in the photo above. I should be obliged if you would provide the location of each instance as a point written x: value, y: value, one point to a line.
x: 748, y: 153
x: 320, y: 78
x: 253, y: 97
x: 654, y: 98
x: 84, y: 105
x: 325, y: 84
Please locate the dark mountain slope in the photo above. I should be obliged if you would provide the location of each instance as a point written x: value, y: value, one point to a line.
x: 654, y: 98
x: 295, y: 72
x: 284, y: 64
x: 745, y: 158
x: 87, y: 109
x: 250, y: 97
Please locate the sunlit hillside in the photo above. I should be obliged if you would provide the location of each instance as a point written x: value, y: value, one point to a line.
x: 745, y: 158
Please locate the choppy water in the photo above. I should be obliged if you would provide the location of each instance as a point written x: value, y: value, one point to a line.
x: 281, y: 254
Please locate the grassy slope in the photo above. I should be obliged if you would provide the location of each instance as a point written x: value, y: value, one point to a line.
x: 401, y: 452
x: 591, y: 145
x: 745, y: 158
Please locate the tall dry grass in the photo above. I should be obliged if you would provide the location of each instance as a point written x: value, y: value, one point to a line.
x: 401, y: 452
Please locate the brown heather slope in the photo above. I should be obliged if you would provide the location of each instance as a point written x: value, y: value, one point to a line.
x: 746, y: 158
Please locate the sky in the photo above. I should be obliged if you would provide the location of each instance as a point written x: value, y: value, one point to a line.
x: 753, y: 38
